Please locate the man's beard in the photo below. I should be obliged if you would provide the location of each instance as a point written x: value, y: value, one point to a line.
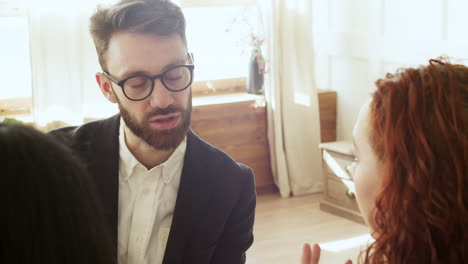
x: 160, y: 139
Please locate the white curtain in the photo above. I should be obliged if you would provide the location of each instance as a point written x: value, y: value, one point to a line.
x: 63, y: 61
x: 292, y: 104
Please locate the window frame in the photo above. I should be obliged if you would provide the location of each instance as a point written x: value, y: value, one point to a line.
x: 225, y: 85
x: 15, y: 107
x: 21, y: 106
x: 208, y: 3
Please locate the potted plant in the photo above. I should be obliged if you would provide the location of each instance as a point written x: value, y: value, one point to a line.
x: 248, y: 27
x: 256, y: 67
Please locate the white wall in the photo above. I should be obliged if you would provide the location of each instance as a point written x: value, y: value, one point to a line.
x: 359, y: 41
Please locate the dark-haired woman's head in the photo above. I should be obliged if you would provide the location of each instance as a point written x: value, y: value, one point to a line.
x: 50, y: 212
x: 411, y: 171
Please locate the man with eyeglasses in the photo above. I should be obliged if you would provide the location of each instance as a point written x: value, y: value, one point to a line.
x: 169, y: 197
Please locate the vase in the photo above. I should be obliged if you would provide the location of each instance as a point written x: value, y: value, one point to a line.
x: 255, y: 74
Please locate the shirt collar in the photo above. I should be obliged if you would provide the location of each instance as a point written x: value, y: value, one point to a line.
x: 169, y: 167
x: 127, y: 159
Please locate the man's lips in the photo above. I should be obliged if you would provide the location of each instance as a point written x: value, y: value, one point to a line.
x: 161, y: 118
x: 164, y: 122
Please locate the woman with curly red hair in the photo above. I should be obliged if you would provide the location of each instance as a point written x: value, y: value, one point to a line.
x: 411, y: 167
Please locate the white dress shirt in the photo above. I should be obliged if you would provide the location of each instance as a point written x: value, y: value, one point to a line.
x: 146, y: 204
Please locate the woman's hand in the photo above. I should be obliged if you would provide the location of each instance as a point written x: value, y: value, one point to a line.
x: 311, y: 254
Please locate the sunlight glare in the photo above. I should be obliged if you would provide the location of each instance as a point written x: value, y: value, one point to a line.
x: 302, y: 98
x: 340, y: 245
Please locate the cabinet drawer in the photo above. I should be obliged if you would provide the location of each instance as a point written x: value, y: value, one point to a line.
x: 336, y: 164
x: 341, y: 192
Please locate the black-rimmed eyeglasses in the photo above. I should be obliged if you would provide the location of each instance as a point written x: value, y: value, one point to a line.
x: 139, y: 87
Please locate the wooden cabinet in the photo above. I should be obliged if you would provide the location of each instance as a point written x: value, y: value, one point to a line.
x: 339, y: 191
x: 237, y: 124
x: 327, y: 112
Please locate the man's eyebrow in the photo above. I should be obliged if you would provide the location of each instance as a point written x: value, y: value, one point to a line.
x: 139, y: 72
x: 133, y: 73
x: 174, y: 63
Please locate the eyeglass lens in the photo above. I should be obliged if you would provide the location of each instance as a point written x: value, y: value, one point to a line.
x: 175, y: 79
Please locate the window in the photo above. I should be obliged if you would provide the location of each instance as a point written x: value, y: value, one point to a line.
x: 15, y: 69
x: 218, y: 34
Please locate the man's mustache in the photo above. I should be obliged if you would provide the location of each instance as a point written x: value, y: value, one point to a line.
x: 165, y: 111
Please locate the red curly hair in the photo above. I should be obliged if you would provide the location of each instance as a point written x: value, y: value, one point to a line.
x: 418, y: 120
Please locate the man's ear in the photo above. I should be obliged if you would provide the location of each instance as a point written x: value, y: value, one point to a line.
x: 191, y: 57
x: 192, y: 61
x: 106, y: 88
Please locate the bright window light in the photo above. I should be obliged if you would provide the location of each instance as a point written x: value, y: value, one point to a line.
x: 341, y: 245
x: 15, y: 68
x: 219, y: 39
x: 302, y: 98
x: 72, y: 7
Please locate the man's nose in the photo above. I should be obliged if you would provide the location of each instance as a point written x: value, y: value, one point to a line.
x: 160, y: 97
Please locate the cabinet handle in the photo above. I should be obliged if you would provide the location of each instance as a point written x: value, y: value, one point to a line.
x: 350, y: 194
x: 347, y: 169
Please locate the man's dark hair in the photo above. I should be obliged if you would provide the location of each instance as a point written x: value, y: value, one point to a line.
x: 159, y: 17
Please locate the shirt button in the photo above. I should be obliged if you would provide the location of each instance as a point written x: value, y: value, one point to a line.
x: 146, y: 191
x: 139, y: 240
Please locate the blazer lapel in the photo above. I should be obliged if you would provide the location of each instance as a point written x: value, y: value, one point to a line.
x: 192, y: 194
x: 191, y: 197
x: 105, y: 168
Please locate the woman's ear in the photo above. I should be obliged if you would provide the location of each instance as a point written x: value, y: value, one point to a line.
x: 106, y: 87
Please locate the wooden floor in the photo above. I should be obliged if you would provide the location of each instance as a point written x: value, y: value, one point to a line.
x: 282, y: 225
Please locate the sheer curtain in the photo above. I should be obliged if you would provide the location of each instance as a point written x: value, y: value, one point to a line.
x: 292, y: 104
x: 64, y: 62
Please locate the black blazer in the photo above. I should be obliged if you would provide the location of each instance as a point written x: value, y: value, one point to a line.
x: 215, y: 207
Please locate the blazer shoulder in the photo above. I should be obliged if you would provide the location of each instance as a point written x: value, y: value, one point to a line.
x: 217, y: 162
x: 216, y: 156
x: 74, y: 136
